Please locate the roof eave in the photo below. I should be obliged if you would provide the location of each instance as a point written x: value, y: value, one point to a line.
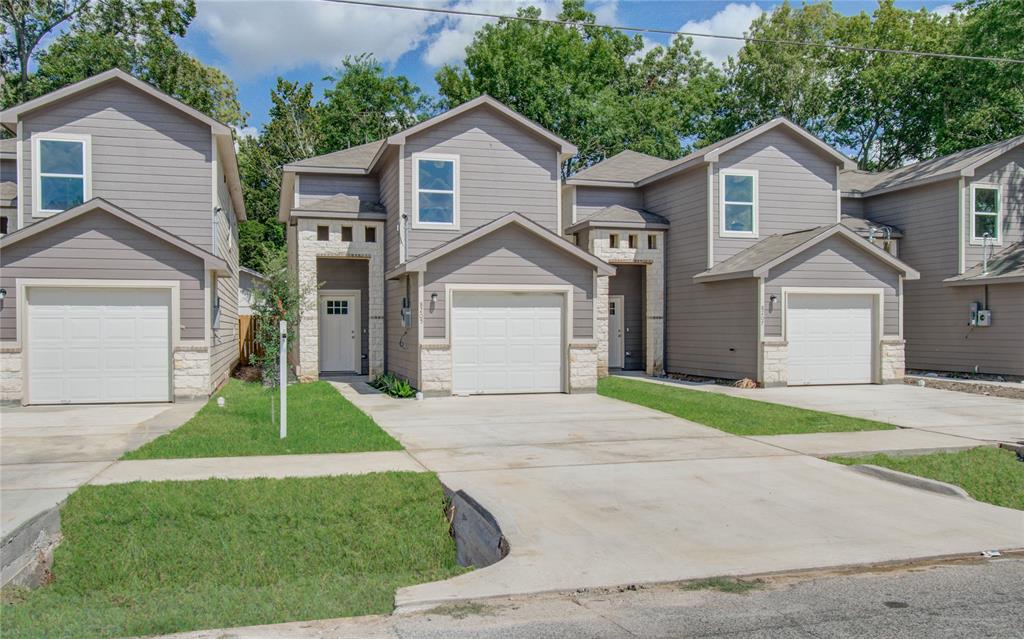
x: 981, y: 280
x: 618, y: 184
x: 604, y: 224
x: 337, y: 170
x: 674, y: 170
x: 707, y: 277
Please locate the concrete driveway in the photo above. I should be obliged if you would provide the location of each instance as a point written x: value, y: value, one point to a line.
x: 46, y: 452
x: 592, y: 492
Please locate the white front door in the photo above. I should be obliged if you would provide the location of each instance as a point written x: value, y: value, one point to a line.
x: 831, y: 338
x: 616, y: 345
x: 339, y: 330
x: 505, y: 342
x: 98, y: 345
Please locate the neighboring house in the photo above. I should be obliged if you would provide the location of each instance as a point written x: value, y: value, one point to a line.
x: 765, y: 278
x: 248, y: 279
x: 440, y: 258
x: 120, y: 274
x: 963, y: 220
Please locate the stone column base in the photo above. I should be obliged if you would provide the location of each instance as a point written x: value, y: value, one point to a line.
x: 774, y: 364
x: 583, y: 367
x: 893, y: 361
x: 10, y: 376
x: 436, y: 369
x: 191, y: 373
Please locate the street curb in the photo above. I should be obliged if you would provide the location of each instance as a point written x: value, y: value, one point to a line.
x: 912, y: 481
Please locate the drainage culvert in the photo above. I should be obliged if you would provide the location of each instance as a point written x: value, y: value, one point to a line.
x: 478, y: 538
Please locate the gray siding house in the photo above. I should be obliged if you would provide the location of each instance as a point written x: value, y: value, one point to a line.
x: 962, y: 218
x: 766, y: 277
x: 119, y: 267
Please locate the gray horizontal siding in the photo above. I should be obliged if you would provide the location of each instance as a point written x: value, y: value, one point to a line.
x: 710, y: 329
x: 350, y: 274
x: 628, y: 282
x: 319, y: 186
x: 510, y: 256
x: 852, y: 206
x: 224, y: 351
x: 796, y: 187
x: 591, y: 199
x: 390, y: 197
x: 503, y: 168
x: 147, y: 157
x: 100, y: 246
x: 834, y: 263
x: 8, y: 171
x: 1007, y: 172
x: 402, y: 357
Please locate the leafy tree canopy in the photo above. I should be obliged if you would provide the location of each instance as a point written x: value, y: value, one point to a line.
x: 589, y: 84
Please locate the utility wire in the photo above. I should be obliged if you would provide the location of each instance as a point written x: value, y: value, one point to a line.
x: 798, y: 43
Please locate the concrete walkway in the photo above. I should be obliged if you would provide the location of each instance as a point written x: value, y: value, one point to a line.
x: 272, y: 466
x: 940, y: 419
x: 594, y: 492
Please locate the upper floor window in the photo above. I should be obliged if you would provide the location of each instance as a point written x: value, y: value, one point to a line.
x: 985, y: 213
x: 61, y: 172
x: 738, y: 212
x: 436, y: 190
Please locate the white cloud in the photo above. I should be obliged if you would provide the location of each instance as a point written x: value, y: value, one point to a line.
x: 943, y: 10
x: 278, y: 35
x: 448, y: 45
x: 733, y: 20
x: 246, y: 131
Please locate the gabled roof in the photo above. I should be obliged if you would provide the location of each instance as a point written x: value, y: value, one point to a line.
x: 419, y: 264
x: 862, y: 226
x: 356, y: 159
x: 222, y: 132
x: 758, y: 259
x: 712, y: 152
x: 254, y: 273
x: 617, y: 216
x: 622, y: 169
x: 210, y: 261
x: 959, y: 164
x: 1005, y: 267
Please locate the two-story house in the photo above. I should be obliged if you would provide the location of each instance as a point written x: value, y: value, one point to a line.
x: 119, y: 270
x: 962, y: 217
x: 764, y: 277
x: 451, y: 254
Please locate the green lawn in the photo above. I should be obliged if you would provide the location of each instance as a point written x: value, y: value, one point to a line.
x: 734, y: 415
x: 320, y: 420
x: 161, y: 557
x: 988, y: 474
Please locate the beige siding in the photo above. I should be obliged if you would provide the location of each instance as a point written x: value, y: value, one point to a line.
x: 1007, y: 172
x: 503, y: 168
x: 511, y: 256
x: 628, y: 282
x: 935, y: 316
x: 591, y: 199
x: 350, y: 274
x: 710, y: 329
x: 320, y: 186
x: 796, y: 187
x: 224, y: 351
x: 402, y: 356
x: 100, y: 246
x: 834, y: 263
x: 147, y: 157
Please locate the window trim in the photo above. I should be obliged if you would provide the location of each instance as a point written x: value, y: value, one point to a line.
x: 722, y: 231
x: 37, y: 139
x: 998, y: 239
x: 454, y: 225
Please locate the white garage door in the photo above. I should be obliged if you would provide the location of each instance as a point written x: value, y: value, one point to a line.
x: 98, y: 345
x: 507, y: 343
x: 831, y: 339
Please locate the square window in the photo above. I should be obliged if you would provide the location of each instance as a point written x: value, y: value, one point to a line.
x: 632, y: 241
x: 613, y: 240
x: 344, y: 307
x: 333, y: 307
x: 346, y: 234
x: 323, y: 233
x: 370, y: 234
x: 652, y: 241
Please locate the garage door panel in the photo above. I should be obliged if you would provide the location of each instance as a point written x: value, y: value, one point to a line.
x: 506, y: 343
x: 831, y: 339
x: 96, y: 345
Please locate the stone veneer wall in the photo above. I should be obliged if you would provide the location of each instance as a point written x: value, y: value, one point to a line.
x: 584, y: 367
x: 309, y: 249
x: 10, y: 374
x: 654, y: 276
x: 893, y: 361
x: 191, y: 372
x: 436, y: 369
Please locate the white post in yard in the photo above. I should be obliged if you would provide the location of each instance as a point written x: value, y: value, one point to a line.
x: 282, y: 378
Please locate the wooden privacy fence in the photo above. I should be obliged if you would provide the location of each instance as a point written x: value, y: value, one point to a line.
x: 247, y: 346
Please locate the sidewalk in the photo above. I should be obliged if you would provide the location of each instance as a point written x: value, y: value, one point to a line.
x: 272, y: 466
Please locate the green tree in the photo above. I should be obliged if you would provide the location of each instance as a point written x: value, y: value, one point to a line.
x: 278, y: 297
x: 25, y: 23
x: 137, y: 36
x: 588, y: 83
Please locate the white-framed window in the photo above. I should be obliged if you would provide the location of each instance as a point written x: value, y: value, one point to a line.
x: 986, y: 213
x: 738, y: 209
x: 435, y: 183
x: 61, y: 169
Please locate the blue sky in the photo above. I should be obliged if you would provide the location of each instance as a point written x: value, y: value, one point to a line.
x: 255, y: 41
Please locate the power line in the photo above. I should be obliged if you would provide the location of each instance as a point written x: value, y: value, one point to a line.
x: 653, y: 30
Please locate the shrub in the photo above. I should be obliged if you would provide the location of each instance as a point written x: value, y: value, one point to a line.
x: 393, y: 385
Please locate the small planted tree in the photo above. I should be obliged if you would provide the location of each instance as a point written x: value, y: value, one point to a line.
x: 278, y: 297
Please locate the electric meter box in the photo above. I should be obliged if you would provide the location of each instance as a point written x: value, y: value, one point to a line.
x: 984, y: 318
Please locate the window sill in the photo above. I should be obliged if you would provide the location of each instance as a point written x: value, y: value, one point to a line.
x: 742, y: 234
x: 980, y: 242
x: 436, y: 226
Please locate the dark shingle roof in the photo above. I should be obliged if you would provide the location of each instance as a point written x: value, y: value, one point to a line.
x: 768, y: 249
x: 1007, y: 263
x: 356, y: 157
x: 625, y: 167
x: 617, y: 215
x: 862, y: 226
